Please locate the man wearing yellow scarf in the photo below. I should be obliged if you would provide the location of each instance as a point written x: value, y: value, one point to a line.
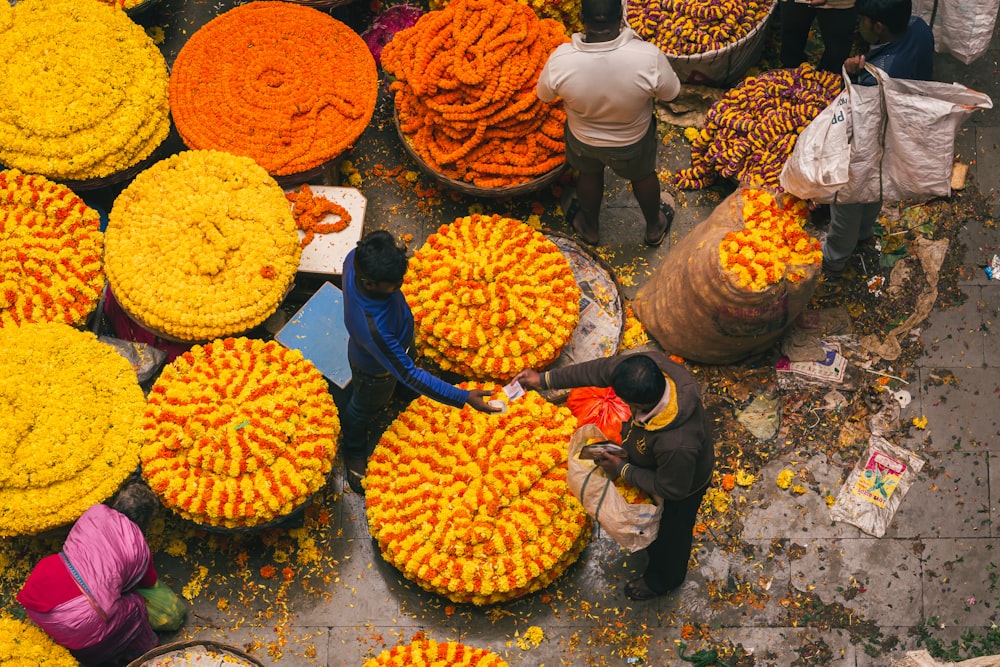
x: 669, y: 447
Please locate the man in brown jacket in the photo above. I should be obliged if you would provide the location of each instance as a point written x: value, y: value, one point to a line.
x: 669, y: 447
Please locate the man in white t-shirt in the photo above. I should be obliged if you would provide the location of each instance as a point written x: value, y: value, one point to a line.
x: 608, y: 78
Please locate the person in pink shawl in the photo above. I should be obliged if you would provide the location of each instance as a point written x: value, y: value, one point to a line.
x: 85, y: 596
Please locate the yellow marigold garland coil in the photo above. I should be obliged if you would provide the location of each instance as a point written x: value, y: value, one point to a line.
x: 686, y: 27
x: 465, y: 91
x: 287, y: 85
x: 23, y: 644
x: 435, y: 654
x: 201, y: 245
x: 475, y: 507
x: 70, y: 411
x: 84, y: 91
x: 238, y: 433
x: 772, y: 246
x: 490, y: 297
x: 51, y: 249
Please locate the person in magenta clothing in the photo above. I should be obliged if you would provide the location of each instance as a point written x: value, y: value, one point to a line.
x: 669, y: 449
x: 380, y: 328
x: 85, y: 596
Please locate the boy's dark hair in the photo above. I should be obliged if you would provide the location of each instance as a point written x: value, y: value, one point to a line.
x: 378, y: 257
x: 638, y: 380
x: 894, y: 14
x: 138, y: 503
x: 601, y: 13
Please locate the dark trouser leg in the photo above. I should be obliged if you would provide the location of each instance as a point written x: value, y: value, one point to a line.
x: 670, y: 551
x: 369, y: 396
x: 647, y: 194
x: 837, y: 28
x: 590, y: 192
x: 796, y: 18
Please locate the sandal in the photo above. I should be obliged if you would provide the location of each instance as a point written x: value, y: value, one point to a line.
x: 666, y: 207
x: 354, y: 471
x: 571, y: 210
x: 638, y: 589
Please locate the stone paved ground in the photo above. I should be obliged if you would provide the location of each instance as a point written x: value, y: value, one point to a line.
x: 783, y: 584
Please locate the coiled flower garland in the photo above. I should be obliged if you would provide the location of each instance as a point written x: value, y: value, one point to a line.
x: 287, y: 85
x: 772, y: 246
x: 475, y: 507
x: 688, y: 27
x: 50, y: 252
x: 201, y: 245
x: 70, y: 411
x: 23, y: 644
x: 238, y: 432
x: 430, y: 653
x: 465, y: 91
x: 751, y: 131
x: 490, y: 297
x: 566, y: 12
x: 84, y: 91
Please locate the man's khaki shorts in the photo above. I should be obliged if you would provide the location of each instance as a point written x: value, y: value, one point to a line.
x: 633, y: 162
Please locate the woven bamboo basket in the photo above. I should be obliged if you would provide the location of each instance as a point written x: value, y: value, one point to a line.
x: 195, y: 646
x: 528, y: 187
x: 322, y: 4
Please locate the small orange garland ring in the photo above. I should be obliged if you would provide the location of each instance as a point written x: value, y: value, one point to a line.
x: 238, y: 433
x: 490, y: 297
x: 287, y: 85
x: 51, y: 249
x: 475, y: 507
x: 309, y: 210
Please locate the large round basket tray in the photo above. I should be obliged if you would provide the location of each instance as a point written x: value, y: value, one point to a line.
x: 194, y: 653
x: 528, y: 187
x: 141, y: 9
x: 724, y: 67
x: 327, y: 171
x: 126, y: 174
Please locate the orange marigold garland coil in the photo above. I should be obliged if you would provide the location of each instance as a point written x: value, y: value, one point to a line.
x: 475, y: 507
x: 238, y: 433
x: 287, y: 85
x: 51, y: 249
x: 490, y: 297
x: 310, y: 209
x: 465, y: 91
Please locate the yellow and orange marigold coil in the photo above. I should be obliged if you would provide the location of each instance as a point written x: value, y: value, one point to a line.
x: 287, y: 85
x: 238, y: 432
x: 51, y: 250
x: 490, y: 297
x: 475, y: 507
x: 772, y: 246
x: 435, y: 654
x: 465, y: 92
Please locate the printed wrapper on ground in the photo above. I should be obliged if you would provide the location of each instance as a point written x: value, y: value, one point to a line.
x: 693, y: 309
x: 875, y: 488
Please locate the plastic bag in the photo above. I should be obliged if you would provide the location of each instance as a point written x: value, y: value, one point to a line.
x: 889, y: 142
x: 145, y: 359
x: 599, y: 406
x: 166, y: 609
x: 693, y: 310
x: 962, y: 28
x: 634, y: 527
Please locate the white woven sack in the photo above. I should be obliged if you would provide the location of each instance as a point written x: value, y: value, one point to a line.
x: 962, y: 28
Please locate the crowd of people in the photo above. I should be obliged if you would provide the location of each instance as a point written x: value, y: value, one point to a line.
x: 100, y: 596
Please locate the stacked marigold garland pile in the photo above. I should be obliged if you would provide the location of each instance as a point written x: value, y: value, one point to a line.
x: 430, y: 653
x: 70, y: 411
x: 287, y: 85
x: 772, y: 246
x: 201, y: 245
x: 566, y: 12
x: 84, y: 91
x: 750, y: 132
x: 50, y: 252
x: 684, y: 28
x: 22, y: 644
x: 238, y: 432
x: 465, y: 92
x: 475, y: 507
x: 491, y: 296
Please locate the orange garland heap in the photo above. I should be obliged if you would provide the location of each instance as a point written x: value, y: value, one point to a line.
x: 51, y: 249
x: 465, y: 92
x: 772, y: 246
x: 490, y: 297
x: 475, y: 507
x: 238, y: 433
x: 287, y: 85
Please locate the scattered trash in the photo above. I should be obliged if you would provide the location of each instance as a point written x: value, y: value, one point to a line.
x: 761, y: 416
x: 923, y: 658
x: 145, y: 359
x: 993, y: 270
x: 875, y: 488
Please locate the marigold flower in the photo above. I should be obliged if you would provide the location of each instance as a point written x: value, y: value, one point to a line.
x: 682, y: 27
x: 784, y: 479
x: 743, y: 478
x: 920, y: 422
x: 286, y: 85
x: 728, y: 482
x: 24, y: 643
